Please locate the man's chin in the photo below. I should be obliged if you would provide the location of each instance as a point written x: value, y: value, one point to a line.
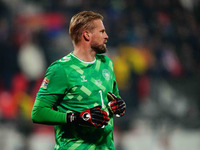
x: 100, y: 50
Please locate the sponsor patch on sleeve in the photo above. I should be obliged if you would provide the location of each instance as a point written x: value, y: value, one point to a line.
x: 45, y: 83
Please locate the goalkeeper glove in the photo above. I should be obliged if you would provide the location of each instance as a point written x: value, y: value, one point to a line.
x: 117, y: 105
x: 94, y: 117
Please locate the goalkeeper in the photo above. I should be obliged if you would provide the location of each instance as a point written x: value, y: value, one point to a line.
x: 79, y: 94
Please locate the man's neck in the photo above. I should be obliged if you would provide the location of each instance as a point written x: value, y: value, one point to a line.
x: 84, y: 53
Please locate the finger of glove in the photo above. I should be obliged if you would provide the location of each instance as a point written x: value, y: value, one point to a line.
x: 112, y: 103
x: 101, y: 112
x: 93, y: 124
x: 100, y: 116
x: 119, y: 112
x: 98, y: 125
x: 120, y: 106
x: 123, y: 107
x: 117, y: 109
x: 116, y: 102
x: 111, y: 96
x: 120, y: 115
x: 100, y: 121
x: 104, y: 113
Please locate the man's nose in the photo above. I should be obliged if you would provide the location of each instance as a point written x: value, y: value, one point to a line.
x: 106, y: 36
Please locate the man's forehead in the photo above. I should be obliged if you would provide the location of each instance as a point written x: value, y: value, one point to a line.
x: 98, y: 23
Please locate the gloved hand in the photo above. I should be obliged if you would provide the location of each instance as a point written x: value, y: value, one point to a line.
x: 94, y: 117
x: 117, y: 105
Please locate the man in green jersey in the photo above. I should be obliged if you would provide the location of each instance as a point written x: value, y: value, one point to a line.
x: 82, y: 90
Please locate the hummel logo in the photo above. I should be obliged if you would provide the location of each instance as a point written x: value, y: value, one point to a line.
x: 83, y: 79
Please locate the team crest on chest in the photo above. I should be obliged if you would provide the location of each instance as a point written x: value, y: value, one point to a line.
x: 106, y: 74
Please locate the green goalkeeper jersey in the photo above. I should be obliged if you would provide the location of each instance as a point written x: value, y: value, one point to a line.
x: 74, y: 85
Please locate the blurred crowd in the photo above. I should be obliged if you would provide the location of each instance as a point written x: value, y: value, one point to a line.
x: 149, y: 40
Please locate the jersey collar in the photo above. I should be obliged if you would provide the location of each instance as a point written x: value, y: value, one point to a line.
x: 87, y: 62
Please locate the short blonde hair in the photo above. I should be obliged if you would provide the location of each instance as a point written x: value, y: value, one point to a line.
x: 82, y: 21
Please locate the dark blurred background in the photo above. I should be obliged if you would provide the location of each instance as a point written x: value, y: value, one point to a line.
x: 155, y: 47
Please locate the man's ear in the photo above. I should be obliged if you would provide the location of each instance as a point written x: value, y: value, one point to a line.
x: 86, y: 35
